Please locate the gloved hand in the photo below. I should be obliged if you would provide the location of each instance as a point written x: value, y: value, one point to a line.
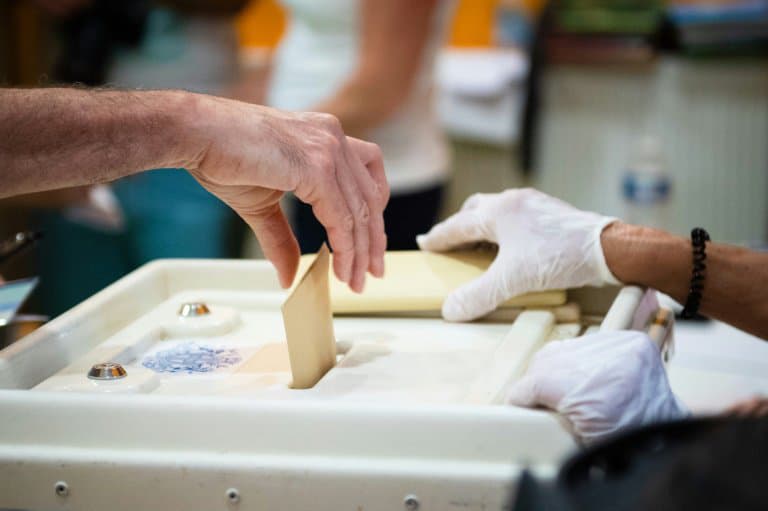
x: 601, y: 383
x: 544, y: 243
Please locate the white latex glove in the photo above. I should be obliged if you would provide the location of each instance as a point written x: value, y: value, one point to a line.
x: 601, y: 383
x: 544, y: 243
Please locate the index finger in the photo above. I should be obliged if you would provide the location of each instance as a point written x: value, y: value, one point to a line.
x: 461, y: 228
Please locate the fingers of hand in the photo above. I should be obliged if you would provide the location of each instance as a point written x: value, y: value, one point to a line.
x: 361, y: 214
x: 474, y: 201
x: 378, y: 240
x: 330, y: 207
x: 346, y: 175
x: 347, y: 198
x: 466, y: 226
x: 372, y: 182
x: 523, y: 392
x: 478, y: 297
x: 328, y: 199
x: 544, y: 382
x: 370, y: 156
x: 276, y: 240
x: 339, y: 205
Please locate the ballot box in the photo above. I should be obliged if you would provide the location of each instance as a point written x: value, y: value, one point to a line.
x: 171, y: 389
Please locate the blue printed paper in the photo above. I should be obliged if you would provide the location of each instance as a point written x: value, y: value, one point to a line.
x: 191, y: 358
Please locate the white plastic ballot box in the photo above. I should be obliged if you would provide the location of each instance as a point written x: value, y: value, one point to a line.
x: 170, y: 389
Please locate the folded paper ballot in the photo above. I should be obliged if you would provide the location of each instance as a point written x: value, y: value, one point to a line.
x: 420, y: 281
x: 309, y: 323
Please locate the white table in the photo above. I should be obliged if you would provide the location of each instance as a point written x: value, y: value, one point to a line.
x: 733, y: 364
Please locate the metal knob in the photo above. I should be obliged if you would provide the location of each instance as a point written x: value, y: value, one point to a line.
x: 193, y: 309
x: 107, y: 371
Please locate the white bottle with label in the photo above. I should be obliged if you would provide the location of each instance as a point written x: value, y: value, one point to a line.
x: 647, y: 186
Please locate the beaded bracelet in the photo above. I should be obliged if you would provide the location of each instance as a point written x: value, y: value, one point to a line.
x: 699, y: 237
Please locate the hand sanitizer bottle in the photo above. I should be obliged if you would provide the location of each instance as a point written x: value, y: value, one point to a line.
x: 647, y: 186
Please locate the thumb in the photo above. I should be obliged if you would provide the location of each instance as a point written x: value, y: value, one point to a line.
x: 478, y: 297
x: 276, y: 240
x: 523, y: 392
x: 540, y: 386
x: 464, y: 227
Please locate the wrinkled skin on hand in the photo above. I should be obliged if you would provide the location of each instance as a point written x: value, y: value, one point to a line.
x: 754, y: 407
x: 264, y: 153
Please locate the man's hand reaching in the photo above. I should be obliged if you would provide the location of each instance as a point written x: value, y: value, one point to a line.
x: 263, y: 153
x: 247, y: 155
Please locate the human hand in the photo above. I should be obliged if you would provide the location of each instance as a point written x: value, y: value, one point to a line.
x: 544, y: 243
x: 601, y: 383
x: 249, y: 155
x: 754, y: 407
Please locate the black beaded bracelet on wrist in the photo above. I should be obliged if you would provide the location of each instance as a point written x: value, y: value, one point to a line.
x: 699, y: 237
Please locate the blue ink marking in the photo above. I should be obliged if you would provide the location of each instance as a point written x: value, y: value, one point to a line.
x: 191, y: 358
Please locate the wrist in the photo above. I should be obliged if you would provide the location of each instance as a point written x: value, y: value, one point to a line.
x: 154, y: 125
x: 647, y: 257
x: 606, y: 275
x: 185, y: 115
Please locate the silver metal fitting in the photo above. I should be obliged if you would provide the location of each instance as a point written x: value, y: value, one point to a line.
x: 411, y: 502
x: 233, y: 495
x: 193, y: 310
x: 61, y: 488
x: 107, y: 371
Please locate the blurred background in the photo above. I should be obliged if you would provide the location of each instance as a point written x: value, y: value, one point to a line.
x: 652, y: 111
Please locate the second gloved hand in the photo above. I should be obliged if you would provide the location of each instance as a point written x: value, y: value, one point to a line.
x: 544, y: 243
x: 601, y: 383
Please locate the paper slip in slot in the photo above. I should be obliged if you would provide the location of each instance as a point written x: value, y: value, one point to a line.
x: 420, y: 281
x: 309, y: 324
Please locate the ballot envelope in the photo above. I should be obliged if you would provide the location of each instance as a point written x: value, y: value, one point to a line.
x: 172, y: 389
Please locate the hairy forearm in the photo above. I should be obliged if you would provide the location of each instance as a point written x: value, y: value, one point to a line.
x: 57, y: 138
x: 736, y: 283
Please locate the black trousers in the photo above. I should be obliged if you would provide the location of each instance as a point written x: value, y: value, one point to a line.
x: 406, y: 216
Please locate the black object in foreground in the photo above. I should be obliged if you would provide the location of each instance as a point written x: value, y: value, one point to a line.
x: 17, y: 244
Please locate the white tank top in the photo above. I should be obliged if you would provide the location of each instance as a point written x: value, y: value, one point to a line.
x: 318, y: 53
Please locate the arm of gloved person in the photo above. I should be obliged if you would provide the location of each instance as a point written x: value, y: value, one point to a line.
x: 600, y: 383
x: 545, y: 243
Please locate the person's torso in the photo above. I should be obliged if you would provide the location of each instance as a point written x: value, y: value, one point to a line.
x: 317, y: 54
